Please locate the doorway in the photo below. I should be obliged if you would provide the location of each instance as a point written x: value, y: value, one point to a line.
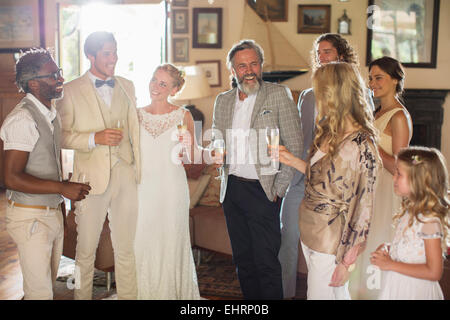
x: 138, y: 28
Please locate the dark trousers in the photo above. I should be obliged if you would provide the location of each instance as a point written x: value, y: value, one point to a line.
x: 253, y: 223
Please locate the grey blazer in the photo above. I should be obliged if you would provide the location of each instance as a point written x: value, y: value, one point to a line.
x: 306, y: 107
x: 274, y: 107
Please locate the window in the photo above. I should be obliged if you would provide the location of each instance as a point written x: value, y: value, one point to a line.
x: 138, y: 28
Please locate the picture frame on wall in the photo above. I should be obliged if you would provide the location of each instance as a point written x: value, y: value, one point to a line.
x: 314, y: 18
x: 277, y: 10
x: 405, y: 30
x: 180, y: 3
x: 212, y: 71
x: 26, y: 29
x: 180, y: 19
x: 207, y: 28
x: 180, y: 49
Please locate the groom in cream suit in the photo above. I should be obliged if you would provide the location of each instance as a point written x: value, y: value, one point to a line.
x: 250, y: 192
x: 108, y: 155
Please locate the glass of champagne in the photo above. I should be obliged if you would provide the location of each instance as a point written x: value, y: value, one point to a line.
x: 82, y: 178
x: 219, y: 149
x: 118, y: 125
x: 273, y: 140
x: 182, y: 129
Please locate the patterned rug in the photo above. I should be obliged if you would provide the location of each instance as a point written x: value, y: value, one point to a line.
x: 65, y: 282
x: 217, y: 277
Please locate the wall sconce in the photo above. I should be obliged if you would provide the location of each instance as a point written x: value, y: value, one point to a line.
x: 344, y: 23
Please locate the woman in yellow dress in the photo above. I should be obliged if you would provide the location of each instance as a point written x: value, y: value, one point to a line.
x: 386, y: 79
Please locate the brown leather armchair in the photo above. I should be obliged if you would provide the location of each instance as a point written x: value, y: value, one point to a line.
x: 104, y: 259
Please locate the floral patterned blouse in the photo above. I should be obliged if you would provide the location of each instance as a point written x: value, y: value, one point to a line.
x: 336, y: 211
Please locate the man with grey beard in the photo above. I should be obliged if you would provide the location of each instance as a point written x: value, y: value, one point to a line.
x: 250, y: 192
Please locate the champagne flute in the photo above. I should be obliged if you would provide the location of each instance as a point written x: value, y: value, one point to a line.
x: 82, y: 178
x: 219, y: 149
x: 119, y: 125
x: 273, y: 140
x: 182, y: 128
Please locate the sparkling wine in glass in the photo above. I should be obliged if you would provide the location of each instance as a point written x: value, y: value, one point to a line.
x: 219, y: 149
x: 119, y: 125
x: 182, y: 129
x: 273, y: 140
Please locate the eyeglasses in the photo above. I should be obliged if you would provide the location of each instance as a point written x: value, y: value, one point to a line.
x: 55, y: 75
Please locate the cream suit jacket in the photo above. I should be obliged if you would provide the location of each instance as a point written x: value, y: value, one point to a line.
x: 81, y: 114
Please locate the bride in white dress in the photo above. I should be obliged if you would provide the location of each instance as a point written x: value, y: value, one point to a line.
x: 164, y: 262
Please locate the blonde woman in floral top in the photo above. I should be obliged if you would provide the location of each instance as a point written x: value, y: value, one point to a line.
x: 341, y: 172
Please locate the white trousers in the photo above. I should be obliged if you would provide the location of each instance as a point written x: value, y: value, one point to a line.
x: 39, y: 235
x: 119, y: 201
x: 320, y: 270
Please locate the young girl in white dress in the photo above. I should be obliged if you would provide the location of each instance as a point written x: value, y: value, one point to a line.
x: 413, y: 262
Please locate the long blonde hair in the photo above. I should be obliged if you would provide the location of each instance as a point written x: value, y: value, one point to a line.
x: 428, y: 181
x: 340, y: 95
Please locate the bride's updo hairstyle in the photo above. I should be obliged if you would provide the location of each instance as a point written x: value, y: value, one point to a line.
x: 176, y: 74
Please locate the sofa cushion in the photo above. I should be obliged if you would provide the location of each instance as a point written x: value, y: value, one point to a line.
x: 104, y: 257
x: 211, y: 196
x: 210, y: 229
x: 194, y: 171
x: 197, y: 188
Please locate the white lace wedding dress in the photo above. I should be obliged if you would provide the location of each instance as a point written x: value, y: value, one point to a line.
x: 164, y: 263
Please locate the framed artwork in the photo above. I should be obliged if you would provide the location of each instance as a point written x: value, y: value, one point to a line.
x: 212, y: 71
x: 405, y: 30
x: 207, y: 28
x: 277, y: 10
x: 21, y: 25
x: 180, y: 18
x: 180, y: 3
x: 314, y: 18
x: 180, y: 49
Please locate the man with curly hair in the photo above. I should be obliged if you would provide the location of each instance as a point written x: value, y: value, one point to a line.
x: 327, y: 48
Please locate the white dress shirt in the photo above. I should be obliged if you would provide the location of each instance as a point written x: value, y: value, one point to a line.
x: 19, y: 130
x: 105, y: 92
x: 241, y: 162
